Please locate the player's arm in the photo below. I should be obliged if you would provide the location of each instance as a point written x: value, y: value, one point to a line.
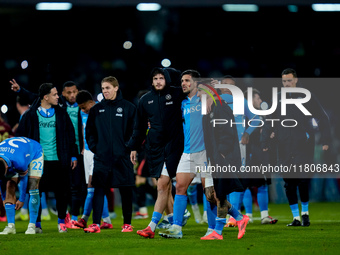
x: 22, y: 92
x: 140, y: 128
x: 323, y: 122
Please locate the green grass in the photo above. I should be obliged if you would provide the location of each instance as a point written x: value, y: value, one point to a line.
x: 320, y: 238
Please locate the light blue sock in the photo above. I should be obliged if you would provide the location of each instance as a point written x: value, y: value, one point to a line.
x: 205, y: 202
x: 27, y: 198
x: 192, y: 194
x: 156, y: 217
x: 88, y: 201
x: 220, y: 222
x: 10, y: 212
x: 295, y: 210
x: 262, y: 197
x: 33, y: 205
x: 105, y: 213
x: 236, y: 199
x: 43, y: 201
x: 304, y: 207
x: 74, y: 217
x: 235, y: 213
x: 248, y: 201
x: 180, y: 204
x: 211, y: 215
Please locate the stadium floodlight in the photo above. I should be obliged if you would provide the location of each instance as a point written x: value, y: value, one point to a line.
x: 240, y: 7
x: 148, y: 7
x: 326, y: 7
x: 53, y: 6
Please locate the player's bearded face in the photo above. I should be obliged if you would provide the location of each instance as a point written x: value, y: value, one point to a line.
x: 158, y: 82
x: 187, y: 83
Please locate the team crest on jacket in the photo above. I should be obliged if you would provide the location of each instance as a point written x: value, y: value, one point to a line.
x: 168, y: 97
x: 119, y: 112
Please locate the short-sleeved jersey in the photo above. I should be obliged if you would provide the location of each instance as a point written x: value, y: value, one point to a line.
x: 18, y: 152
x: 192, y: 125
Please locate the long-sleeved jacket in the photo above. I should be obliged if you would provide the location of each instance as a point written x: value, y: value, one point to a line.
x: 296, y: 144
x: 66, y: 147
x: 62, y: 103
x: 222, y: 139
x: 164, y: 142
x: 108, y: 130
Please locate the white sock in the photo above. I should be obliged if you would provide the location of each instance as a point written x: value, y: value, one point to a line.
x: 11, y: 225
x: 86, y: 218
x: 143, y: 210
x: 194, y: 207
x: 264, y: 214
x: 152, y: 225
x: 23, y: 211
x: 297, y: 218
x: 107, y: 220
x: 44, y: 212
x: 305, y: 213
x: 250, y: 215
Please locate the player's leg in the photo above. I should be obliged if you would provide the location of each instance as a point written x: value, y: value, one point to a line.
x: 126, y: 195
x: 160, y: 204
x: 10, y: 202
x: 88, y: 168
x: 304, y: 196
x: 291, y: 193
x: 248, y: 204
x: 263, y: 200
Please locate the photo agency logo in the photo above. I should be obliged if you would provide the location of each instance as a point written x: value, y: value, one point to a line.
x: 239, y: 103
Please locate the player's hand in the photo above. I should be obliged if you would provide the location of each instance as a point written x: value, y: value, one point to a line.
x: 19, y: 205
x: 325, y: 148
x: 265, y: 149
x: 245, y: 138
x: 74, y: 164
x: 15, y: 86
x: 272, y: 135
x: 133, y: 157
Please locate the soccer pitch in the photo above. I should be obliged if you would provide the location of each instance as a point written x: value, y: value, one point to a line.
x: 322, y: 237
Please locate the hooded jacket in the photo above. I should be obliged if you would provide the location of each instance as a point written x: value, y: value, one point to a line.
x: 108, y: 130
x: 164, y: 141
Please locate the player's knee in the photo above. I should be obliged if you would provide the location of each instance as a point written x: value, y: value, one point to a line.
x: 181, y: 189
x: 33, y: 183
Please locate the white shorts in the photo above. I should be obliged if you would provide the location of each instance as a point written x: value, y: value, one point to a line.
x: 193, y: 163
x: 164, y: 171
x: 35, y: 168
x: 88, y: 164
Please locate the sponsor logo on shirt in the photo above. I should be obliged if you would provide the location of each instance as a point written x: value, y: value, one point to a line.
x: 150, y: 102
x: 102, y: 110
x: 167, y: 103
